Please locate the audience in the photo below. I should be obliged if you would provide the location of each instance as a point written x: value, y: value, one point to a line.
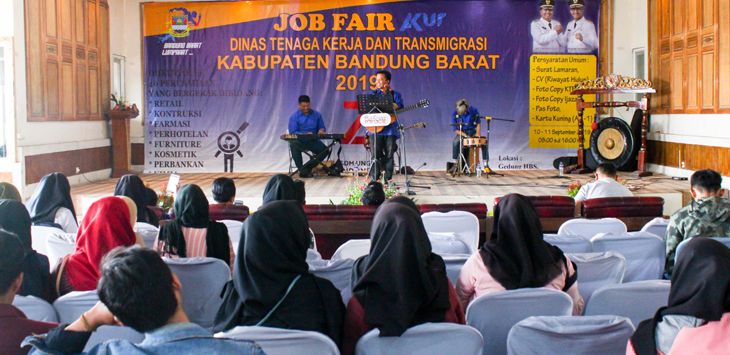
x: 8, y: 191
x: 300, y: 192
x: 14, y: 326
x: 401, y: 283
x: 516, y: 256
x: 15, y: 219
x: 150, y: 198
x: 132, y: 186
x: 272, y: 285
x: 51, y: 204
x: 373, y: 194
x: 279, y: 187
x: 138, y: 290
x: 697, y: 317
x: 708, y: 215
x: 106, y: 225
x: 606, y: 185
x: 192, y: 233
x: 224, y: 193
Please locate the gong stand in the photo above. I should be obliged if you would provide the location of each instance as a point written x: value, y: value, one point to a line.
x: 582, y: 105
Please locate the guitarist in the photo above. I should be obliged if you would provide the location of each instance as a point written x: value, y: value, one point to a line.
x: 306, y: 121
x: 468, y: 117
x: 386, y: 144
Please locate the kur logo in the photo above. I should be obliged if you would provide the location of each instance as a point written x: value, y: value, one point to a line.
x: 419, y: 20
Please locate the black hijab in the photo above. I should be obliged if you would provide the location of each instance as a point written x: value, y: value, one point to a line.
x: 516, y: 254
x: 406, y: 202
x: 133, y: 187
x: 271, y: 254
x: 700, y: 288
x: 279, y: 187
x: 14, y: 218
x: 401, y: 283
x: 53, y: 192
x: 191, y: 210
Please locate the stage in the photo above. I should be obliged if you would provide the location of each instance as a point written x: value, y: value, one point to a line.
x: 443, y: 187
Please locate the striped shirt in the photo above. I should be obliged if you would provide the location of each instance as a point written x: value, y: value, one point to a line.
x: 195, y: 244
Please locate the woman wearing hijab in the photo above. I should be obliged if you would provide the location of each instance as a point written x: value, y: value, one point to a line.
x: 106, y: 225
x: 132, y: 186
x: 696, y: 319
x: 272, y: 285
x: 401, y: 283
x: 516, y: 256
x: 192, y: 233
x: 51, y: 204
x: 279, y: 187
x: 8, y: 191
x: 14, y: 218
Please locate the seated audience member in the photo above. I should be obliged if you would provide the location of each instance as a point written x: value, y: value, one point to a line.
x: 51, y: 204
x: 8, y: 191
x: 708, y: 215
x: 192, y: 233
x: 138, y: 290
x: 106, y: 225
x: 150, y: 197
x: 300, y: 192
x: 516, y: 256
x: 401, y: 283
x: 272, y: 285
x: 132, y: 186
x: 696, y: 319
x: 14, y: 326
x: 279, y: 187
x: 15, y: 219
x: 605, y: 185
x: 224, y: 193
x: 373, y: 195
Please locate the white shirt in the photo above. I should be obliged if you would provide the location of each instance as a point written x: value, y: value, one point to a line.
x: 603, y: 187
x: 586, y: 29
x: 65, y: 219
x: 544, y: 37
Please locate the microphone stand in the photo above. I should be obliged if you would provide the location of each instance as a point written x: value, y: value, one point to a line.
x: 486, y: 167
x: 402, y: 131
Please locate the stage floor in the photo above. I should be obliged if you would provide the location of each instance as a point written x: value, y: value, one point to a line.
x: 443, y: 187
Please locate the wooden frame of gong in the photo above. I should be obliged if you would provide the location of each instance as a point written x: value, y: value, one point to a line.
x: 581, y: 105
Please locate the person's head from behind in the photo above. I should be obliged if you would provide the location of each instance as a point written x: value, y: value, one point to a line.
x: 224, y: 190
x: 706, y: 183
x: 12, y: 254
x: 279, y: 187
x: 373, y: 194
x: 138, y: 288
x: 300, y: 192
x: 304, y: 104
x: 606, y: 170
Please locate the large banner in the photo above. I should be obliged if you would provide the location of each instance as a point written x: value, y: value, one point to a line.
x: 223, y: 78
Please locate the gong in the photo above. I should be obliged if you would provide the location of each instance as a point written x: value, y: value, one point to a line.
x: 612, y: 142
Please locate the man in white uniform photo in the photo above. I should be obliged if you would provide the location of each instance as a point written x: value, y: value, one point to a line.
x: 545, y: 31
x: 580, y: 34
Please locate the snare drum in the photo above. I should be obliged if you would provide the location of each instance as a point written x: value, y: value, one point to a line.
x: 475, y: 141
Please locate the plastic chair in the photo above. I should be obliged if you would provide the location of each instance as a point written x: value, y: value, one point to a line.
x: 453, y: 232
x: 569, y: 243
x: 570, y: 335
x: 202, y: 280
x: 70, y: 307
x: 494, y: 314
x: 148, y: 233
x: 724, y: 241
x: 339, y: 272
x: 454, y: 263
x: 352, y: 249
x: 596, y: 270
x: 657, y: 226
x: 35, y: 308
x: 588, y: 228
x: 424, y: 339
x: 635, y: 300
x: 234, y: 232
x: 644, y: 253
x: 280, y: 341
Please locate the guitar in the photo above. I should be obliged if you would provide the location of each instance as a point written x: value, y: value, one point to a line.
x: 423, y: 103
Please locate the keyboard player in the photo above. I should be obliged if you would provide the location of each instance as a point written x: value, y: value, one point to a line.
x: 306, y: 121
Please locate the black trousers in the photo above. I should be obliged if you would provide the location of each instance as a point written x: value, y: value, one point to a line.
x: 306, y: 145
x: 384, y: 151
x: 455, y: 150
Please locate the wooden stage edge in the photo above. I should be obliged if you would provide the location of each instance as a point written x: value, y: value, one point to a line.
x: 443, y: 187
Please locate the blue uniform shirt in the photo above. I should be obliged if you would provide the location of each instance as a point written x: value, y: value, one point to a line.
x: 299, y: 123
x: 470, y: 119
x: 391, y: 129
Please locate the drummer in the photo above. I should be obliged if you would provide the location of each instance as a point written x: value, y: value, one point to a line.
x: 465, y: 121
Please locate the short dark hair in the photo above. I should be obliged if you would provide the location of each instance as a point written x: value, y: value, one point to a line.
x: 373, y: 195
x: 303, y: 98
x: 223, y: 189
x: 384, y: 72
x: 706, y: 180
x: 300, y: 192
x: 136, y: 286
x: 11, y: 259
x: 607, y: 169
